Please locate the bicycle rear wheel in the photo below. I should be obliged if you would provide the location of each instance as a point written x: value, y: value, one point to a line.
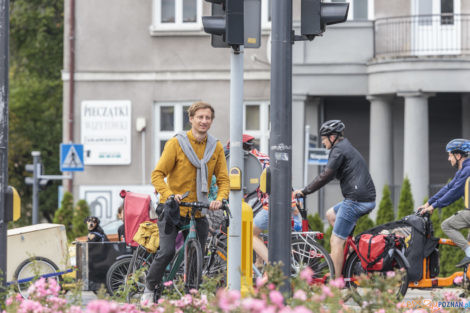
x: 305, y: 251
x: 353, y: 269
x: 192, y: 265
x: 136, y: 273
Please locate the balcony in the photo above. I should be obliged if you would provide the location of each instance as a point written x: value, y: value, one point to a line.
x: 422, y: 36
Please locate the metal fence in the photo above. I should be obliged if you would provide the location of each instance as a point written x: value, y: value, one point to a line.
x: 422, y: 35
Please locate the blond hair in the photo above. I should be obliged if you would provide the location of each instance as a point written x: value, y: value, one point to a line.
x: 198, y: 106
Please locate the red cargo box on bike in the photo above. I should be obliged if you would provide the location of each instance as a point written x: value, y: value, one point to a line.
x: 136, y: 211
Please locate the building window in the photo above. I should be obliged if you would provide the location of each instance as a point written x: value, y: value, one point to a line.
x: 358, y: 9
x: 266, y: 11
x: 170, y: 118
x: 256, y: 123
x: 175, y: 15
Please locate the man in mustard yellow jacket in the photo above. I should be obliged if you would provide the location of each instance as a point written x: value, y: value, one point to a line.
x: 188, y: 162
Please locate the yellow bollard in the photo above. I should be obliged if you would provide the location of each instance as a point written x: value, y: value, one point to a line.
x: 247, y: 250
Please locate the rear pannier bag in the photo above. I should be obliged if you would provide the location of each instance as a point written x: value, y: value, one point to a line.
x: 374, y: 251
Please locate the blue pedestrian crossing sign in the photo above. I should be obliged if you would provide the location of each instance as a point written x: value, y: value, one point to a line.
x: 71, y: 158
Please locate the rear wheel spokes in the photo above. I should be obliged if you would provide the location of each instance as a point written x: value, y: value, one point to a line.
x: 307, y: 252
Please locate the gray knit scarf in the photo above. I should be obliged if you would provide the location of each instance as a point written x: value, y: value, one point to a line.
x: 202, y: 187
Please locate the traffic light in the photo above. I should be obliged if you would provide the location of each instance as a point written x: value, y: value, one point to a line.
x: 12, y: 205
x: 43, y: 180
x: 226, y: 23
x: 315, y: 15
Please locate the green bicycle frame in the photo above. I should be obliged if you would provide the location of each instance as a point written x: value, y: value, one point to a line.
x: 180, y: 253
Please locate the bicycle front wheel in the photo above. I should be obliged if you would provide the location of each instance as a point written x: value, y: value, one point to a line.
x: 136, y: 272
x: 353, y: 269
x: 192, y: 265
x: 307, y: 252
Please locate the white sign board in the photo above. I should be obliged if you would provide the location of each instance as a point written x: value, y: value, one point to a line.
x: 105, y: 200
x: 106, y: 132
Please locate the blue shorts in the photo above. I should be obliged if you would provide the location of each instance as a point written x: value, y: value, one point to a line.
x: 347, y: 214
x: 261, y: 219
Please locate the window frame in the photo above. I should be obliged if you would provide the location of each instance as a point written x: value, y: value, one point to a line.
x: 264, y: 124
x: 265, y: 22
x: 178, y: 25
x: 370, y: 10
x: 177, y: 122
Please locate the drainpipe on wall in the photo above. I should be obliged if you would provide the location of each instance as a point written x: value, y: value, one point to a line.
x: 71, y: 79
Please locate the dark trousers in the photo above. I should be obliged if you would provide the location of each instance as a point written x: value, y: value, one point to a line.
x: 167, y: 250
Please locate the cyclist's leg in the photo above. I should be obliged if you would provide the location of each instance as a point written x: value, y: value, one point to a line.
x: 260, y: 223
x: 164, y: 255
x: 452, y: 226
x: 347, y: 214
x: 202, y: 229
x: 331, y: 215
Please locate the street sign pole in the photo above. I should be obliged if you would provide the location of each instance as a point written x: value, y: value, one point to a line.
x: 306, y: 154
x: 36, y: 172
x: 280, y: 151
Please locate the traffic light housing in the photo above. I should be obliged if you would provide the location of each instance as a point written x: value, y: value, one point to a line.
x: 315, y: 15
x: 226, y: 23
x: 12, y: 205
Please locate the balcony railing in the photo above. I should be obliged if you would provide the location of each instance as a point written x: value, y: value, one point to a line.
x: 422, y: 35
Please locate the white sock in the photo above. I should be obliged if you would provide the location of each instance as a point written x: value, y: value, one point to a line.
x: 467, y: 251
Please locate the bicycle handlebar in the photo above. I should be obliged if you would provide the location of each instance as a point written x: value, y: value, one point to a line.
x: 200, y: 205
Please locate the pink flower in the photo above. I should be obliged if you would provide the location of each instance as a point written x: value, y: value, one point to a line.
x: 449, y: 296
x: 75, y: 309
x: 390, y: 274
x: 276, y: 298
x: 260, y: 282
x: 271, y: 286
x: 253, y: 305
x: 306, y: 274
x: 327, y: 291
x: 269, y: 309
x: 458, y: 280
x: 338, y: 282
x: 300, y: 294
x: 9, y: 301
x: 301, y: 309
x: 228, y: 299
x: 381, y: 310
x: 168, y: 283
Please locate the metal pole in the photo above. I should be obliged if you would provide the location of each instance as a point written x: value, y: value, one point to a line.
x: 4, y: 46
x: 307, y: 148
x: 143, y: 158
x: 281, y: 138
x: 236, y: 160
x: 37, y: 171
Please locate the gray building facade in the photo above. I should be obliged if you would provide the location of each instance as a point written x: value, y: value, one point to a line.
x: 397, y: 73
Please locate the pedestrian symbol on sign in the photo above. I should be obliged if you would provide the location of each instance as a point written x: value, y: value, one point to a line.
x: 71, y: 156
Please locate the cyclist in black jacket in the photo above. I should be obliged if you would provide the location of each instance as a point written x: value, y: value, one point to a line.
x: 347, y: 165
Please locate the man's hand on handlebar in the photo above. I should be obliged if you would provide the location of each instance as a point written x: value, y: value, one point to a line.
x: 215, y: 205
x: 425, y: 209
x: 178, y: 198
